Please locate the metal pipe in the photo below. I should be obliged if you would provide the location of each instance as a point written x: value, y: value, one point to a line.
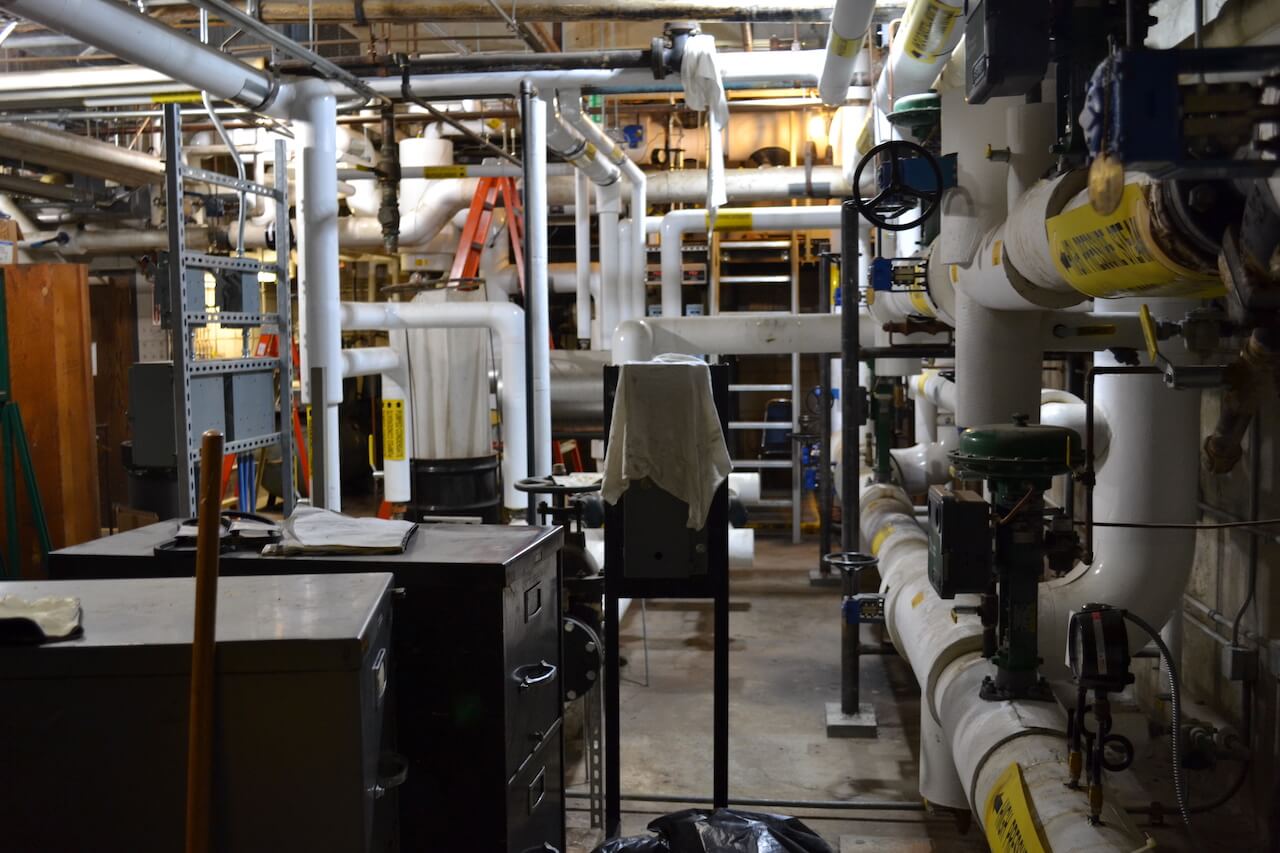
x: 80, y: 154
x: 582, y: 256
x: 507, y: 322
x: 758, y: 802
x: 569, y: 145
x: 849, y: 22
x: 536, y: 296
x: 850, y: 389
x: 546, y: 11
x: 127, y: 33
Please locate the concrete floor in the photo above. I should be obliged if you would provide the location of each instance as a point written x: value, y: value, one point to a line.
x: 784, y: 664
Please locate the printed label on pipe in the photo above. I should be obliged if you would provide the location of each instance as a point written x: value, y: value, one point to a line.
x: 1010, y: 824
x: 843, y: 47
x: 1109, y: 255
x: 177, y: 98
x: 731, y: 220
x: 393, y: 430
x: 928, y: 31
x: 920, y: 302
x: 439, y: 172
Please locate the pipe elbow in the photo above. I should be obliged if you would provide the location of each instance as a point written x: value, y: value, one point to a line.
x: 632, y: 341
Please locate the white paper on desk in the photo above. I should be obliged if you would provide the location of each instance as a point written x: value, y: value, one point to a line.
x: 311, y: 530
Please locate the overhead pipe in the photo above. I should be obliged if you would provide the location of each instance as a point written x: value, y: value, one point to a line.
x: 930, y: 30
x: 677, y: 223
x: 386, y: 363
x: 849, y: 22
x: 72, y: 152
x: 547, y: 11
x: 689, y: 186
x: 506, y: 321
x: 132, y: 36
x: 537, y: 302
x: 582, y: 256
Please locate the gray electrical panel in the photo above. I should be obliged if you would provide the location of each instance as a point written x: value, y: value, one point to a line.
x: 151, y: 411
x: 95, y: 734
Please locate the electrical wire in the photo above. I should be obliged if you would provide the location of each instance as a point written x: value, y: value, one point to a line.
x: 1209, y: 525
x: 1175, y: 703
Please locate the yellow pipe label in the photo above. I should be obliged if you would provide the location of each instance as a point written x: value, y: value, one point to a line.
x: 1149, y: 332
x: 844, y: 47
x: 954, y: 269
x: 1108, y: 255
x: 878, y: 540
x: 997, y: 252
x: 920, y: 302
x: 438, y: 172
x: 916, y: 599
x: 929, y: 26
x: 1010, y: 823
x: 393, y: 430
x: 177, y: 98
x: 731, y: 220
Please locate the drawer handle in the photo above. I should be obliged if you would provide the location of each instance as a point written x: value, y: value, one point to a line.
x: 534, y: 674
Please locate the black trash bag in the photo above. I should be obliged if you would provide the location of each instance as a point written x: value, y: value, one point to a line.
x: 721, y: 831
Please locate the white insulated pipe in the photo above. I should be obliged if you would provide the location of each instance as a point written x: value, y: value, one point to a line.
x: 677, y: 223
x: 930, y: 30
x: 608, y: 210
x: 506, y: 321
x: 582, y: 255
x: 569, y: 145
x: 763, y: 333
x: 386, y: 363
x: 626, y: 284
x: 998, y: 358
x: 320, y: 335
x: 849, y: 22
x: 122, y: 31
x: 985, y: 738
x: 571, y: 105
x: 536, y: 295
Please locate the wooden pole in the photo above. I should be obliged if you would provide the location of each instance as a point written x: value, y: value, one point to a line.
x: 200, y: 721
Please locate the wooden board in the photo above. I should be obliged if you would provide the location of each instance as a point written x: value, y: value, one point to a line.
x: 51, y: 373
x: 113, y: 314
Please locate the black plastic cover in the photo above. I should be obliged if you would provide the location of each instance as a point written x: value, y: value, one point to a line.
x: 721, y: 831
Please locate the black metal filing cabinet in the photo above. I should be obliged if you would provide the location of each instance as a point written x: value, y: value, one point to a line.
x: 475, y: 672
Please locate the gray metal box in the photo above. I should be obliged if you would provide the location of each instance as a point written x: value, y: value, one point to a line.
x: 95, y: 733
x: 250, y: 405
x: 238, y: 291
x: 195, y: 291
x: 151, y: 411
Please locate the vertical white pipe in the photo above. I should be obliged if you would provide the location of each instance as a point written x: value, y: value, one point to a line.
x: 315, y: 127
x: 538, y: 307
x: 609, y: 204
x: 849, y: 22
x: 386, y: 362
x: 582, y: 253
x: 998, y: 358
x: 625, y: 270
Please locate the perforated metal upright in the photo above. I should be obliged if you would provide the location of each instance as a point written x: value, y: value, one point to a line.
x: 183, y: 321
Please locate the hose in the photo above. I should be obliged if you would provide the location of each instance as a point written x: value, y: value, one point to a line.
x: 1179, y: 783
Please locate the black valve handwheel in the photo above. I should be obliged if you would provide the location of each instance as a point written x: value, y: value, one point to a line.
x: 899, y: 197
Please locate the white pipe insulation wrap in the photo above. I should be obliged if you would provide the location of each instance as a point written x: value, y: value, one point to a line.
x: 779, y: 68
x: 930, y: 30
x: 583, y: 155
x: 582, y: 255
x: 608, y: 209
x: 762, y: 333
x: 926, y: 463
x: 386, y: 362
x: 998, y: 357
x: 122, y: 31
x: 677, y: 223
x: 320, y: 336
x: 504, y: 320
x: 623, y: 310
x: 536, y: 295
x: 689, y: 186
x: 942, y: 647
x: 849, y: 22
x: 1064, y: 409
x: 571, y: 105
x: 1142, y: 570
x: 996, y: 281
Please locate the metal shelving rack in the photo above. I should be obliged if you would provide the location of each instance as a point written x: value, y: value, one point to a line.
x: 790, y: 248
x: 183, y: 323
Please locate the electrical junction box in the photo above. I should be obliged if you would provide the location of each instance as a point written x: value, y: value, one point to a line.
x: 959, y: 542
x: 238, y: 292
x: 1006, y: 46
x: 250, y: 404
x: 151, y: 411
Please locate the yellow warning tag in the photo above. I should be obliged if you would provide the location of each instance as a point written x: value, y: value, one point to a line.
x: 1010, y: 824
x: 731, y: 220
x: 916, y: 599
x: 844, y: 47
x: 440, y: 172
x: 177, y: 98
x: 393, y: 429
x: 1104, y: 255
x: 928, y: 29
